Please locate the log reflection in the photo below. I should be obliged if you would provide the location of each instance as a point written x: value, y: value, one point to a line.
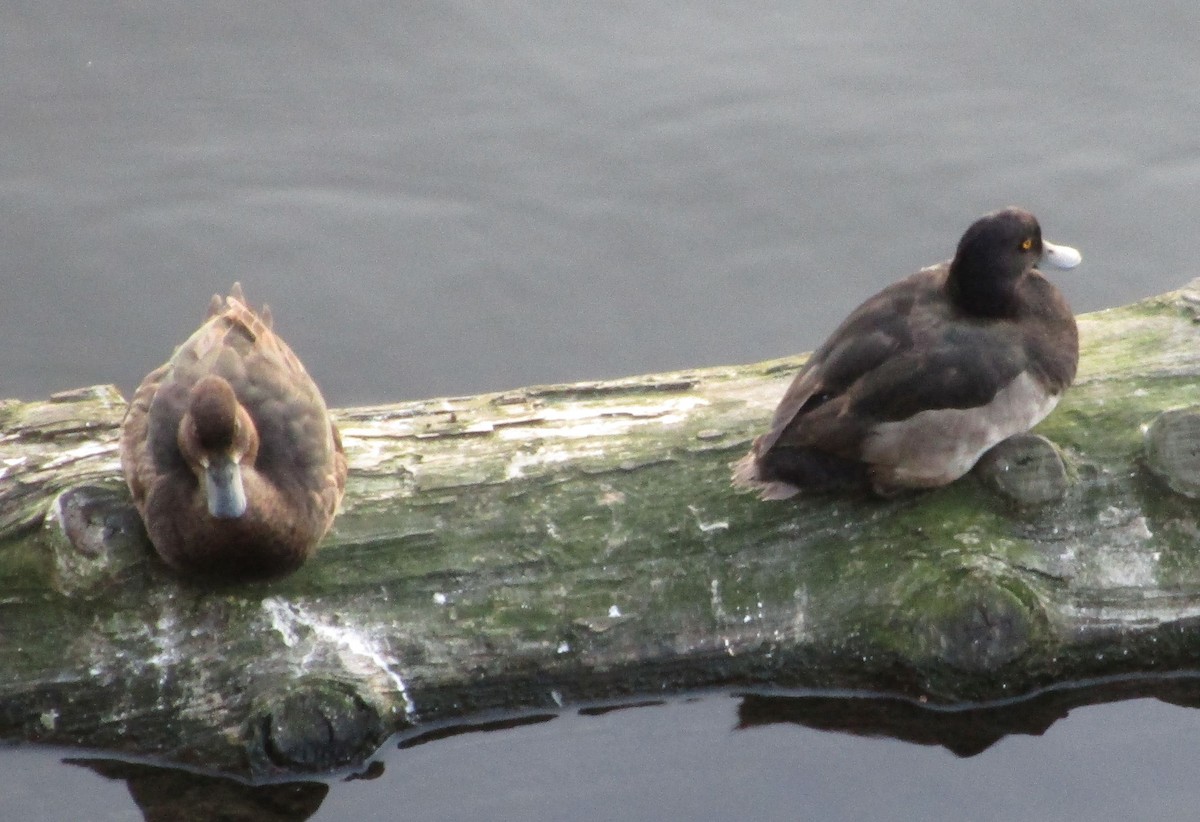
x: 964, y: 731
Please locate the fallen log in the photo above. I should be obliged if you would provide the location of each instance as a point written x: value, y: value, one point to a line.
x: 563, y: 544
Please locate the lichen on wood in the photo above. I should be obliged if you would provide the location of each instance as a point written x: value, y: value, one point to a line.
x: 549, y: 545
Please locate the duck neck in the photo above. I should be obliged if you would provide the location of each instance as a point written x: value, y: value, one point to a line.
x: 982, y: 290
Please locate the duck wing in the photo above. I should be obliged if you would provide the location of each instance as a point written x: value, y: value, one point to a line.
x: 966, y: 368
x: 882, y: 328
x: 136, y: 463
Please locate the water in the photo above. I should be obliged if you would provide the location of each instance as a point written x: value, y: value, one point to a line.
x: 451, y: 197
x: 686, y: 761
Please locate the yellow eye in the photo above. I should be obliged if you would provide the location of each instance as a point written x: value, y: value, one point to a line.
x: 1026, y: 244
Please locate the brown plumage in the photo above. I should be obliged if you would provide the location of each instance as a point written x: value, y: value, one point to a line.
x: 921, y: 379
x: 229, y: 451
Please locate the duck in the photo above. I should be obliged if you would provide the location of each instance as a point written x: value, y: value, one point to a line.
x: 229, y: 451
x: 921, y: 379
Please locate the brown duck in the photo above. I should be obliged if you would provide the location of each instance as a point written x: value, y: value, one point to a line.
x: 229, y: 451
x: 924, y: 377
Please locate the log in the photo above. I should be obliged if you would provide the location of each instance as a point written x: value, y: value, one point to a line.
x: 567, y: 544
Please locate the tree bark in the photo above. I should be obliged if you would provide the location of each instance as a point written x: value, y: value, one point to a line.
x: 572, y: 543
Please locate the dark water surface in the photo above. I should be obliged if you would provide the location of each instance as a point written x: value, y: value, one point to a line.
x: 452, y: 197
x: 447, y: 197
x: 713, y: 758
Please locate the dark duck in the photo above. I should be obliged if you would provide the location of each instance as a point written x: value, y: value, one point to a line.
x: 229, y: 451
x: 924, y: 377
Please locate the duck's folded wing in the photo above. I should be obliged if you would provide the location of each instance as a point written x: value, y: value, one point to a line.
x: 828, y: 375
x: 900, y: 386
x: 136, y: 460
x: 881, y: 329
x: 966, y: 370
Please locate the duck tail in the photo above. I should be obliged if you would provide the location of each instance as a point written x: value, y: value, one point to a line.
x: 745, y: 472
x: 748, y: 476
x: 238, y: 312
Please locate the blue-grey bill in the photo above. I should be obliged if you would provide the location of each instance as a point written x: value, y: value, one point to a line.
x: 223, y: 487
x: 1060, y: 256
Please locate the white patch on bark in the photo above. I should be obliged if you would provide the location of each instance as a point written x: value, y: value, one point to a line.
x: 354, y: 649
x: 90, y: 449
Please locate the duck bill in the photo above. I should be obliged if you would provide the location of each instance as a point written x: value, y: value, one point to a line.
x: 223, y: 488
x: 1060, y: 256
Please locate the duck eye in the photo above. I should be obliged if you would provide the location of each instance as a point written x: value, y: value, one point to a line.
x: 1026, y: 244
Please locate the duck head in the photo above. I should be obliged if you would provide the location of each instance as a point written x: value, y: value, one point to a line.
x: 216, y: 436
x: 993, y: 254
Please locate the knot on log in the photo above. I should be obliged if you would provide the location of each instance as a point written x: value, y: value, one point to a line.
x: 975, y: 622
x: 1026, y: 470
x: 314, y: 726
x: 1172, y: 450
x: 95, y: 535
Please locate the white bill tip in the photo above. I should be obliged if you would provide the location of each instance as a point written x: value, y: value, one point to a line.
x: 1060, y: 256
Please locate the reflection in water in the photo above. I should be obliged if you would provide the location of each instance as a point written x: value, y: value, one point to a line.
x: 374, y: 770
x: 601, y: 710
x: 963, y: 731
x: 166, y: 795
x: 475, y: 727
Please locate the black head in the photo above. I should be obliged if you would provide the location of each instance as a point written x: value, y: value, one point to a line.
x: 993, y: 254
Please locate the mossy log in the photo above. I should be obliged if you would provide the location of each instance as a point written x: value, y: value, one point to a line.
x: 563, y: 544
